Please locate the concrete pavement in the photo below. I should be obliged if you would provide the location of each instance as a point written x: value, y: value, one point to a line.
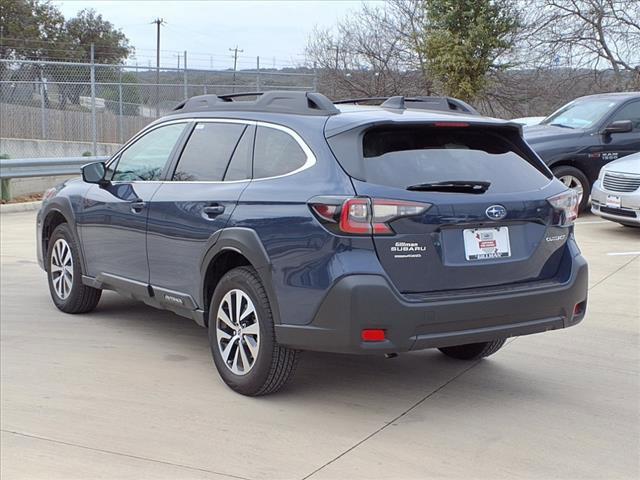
x: 131, y: 392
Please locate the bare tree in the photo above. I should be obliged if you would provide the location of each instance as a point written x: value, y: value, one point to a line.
x: 585, y: 34
x: 562, y: 50
x: 371, y: 53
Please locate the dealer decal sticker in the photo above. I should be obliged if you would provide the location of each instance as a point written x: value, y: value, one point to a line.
x: 407, y: 250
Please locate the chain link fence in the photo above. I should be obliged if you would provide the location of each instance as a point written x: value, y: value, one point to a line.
x: 53, y: 108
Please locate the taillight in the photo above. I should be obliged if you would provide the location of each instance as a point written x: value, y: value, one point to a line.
x: 363, y: 215
x: 355, y: 216
x: 566, y: 206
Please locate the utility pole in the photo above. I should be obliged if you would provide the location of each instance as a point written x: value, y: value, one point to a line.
x: 235, y: 65
x: 159, y: 22
x: 177, y: 55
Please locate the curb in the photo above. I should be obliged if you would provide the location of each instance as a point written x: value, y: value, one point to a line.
x: 19, y: 207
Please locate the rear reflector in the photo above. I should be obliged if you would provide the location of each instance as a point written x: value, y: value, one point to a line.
x: 372, y: 335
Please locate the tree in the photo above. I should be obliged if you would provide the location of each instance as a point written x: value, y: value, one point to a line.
x: 29, y: 29
x: 88, y: 27
x: 111, y: 46
x: 585, y: 34
x: 463, y: 41
x: 35, y: 29
x: 370, y: 53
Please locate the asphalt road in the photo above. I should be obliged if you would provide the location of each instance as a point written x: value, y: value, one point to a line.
x: 131, y: 392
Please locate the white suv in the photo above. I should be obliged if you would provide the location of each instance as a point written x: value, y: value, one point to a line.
x: 616, y: 194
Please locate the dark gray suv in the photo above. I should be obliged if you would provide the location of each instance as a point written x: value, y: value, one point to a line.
x: 290, y: 223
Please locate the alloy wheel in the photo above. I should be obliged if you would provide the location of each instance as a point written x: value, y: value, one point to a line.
x: 61, y: 268
x: 575, y: 184
x: 238, y: 332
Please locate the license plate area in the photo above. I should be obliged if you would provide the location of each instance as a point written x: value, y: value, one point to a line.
x: 613, y: 201
x: 486, y: 243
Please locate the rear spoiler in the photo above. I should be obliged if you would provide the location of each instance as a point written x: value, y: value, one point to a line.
x: 440, y: 122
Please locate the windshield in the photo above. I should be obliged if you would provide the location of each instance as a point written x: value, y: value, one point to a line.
x: 581, y: 114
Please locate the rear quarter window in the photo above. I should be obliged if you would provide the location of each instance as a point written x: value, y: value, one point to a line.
x: 276, y: 153
x: 405, y: 156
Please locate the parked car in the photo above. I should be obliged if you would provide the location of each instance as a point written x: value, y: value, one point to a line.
x: 528, y: 121
x: 580, y: 138
x: 289, y: 223
x: 616, y: 194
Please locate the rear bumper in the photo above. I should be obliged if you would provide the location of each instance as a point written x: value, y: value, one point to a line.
x: 358, y: 302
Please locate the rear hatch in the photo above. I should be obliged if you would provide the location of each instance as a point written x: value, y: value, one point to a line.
x: 487, y: 220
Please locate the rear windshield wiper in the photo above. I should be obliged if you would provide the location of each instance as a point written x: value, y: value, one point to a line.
x: 454, y: 186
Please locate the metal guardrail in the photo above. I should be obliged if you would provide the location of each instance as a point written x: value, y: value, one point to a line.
x: 44, y: 167
x: 40, y: 167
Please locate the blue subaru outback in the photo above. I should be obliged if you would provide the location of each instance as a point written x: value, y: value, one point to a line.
x: 288, y: 222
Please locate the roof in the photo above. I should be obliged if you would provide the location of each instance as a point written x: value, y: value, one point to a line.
x: 617, y: 96
x: 342, y: 116
x: 316, y: 104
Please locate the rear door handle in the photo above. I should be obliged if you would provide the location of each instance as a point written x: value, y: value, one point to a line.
x: 137, y: 206
x: 212, y: 211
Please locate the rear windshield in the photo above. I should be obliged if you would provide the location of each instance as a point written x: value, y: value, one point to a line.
x: 405, y: 156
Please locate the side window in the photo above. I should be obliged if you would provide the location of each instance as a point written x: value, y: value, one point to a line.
x: 146, y: 157
x: 240, y: 166
x: 208, y: 150
x: 276, y: 153
x: 631, y: 112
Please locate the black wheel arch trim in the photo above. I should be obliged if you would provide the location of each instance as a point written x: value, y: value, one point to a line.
x: 588, y: 171
x: 247, y: 243
x: 62, y: 206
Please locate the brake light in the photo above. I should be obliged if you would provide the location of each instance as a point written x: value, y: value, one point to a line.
x: 565, y: 205
x: 363, y: 215
x: 451, y: 124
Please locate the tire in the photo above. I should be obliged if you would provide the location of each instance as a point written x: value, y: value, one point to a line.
x: 473, y: 351
x: 254, y: 363
x: 64, y: 274
x: 566, y: 173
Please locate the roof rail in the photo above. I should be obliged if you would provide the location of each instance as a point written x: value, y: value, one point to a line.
x: 446, y: 104
x: 301, y: 103
x: 376, y: 100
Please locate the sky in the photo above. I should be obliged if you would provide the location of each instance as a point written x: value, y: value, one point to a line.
x: 277, y: 31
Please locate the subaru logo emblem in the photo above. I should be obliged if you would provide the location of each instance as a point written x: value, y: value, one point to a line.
x: 496, y: 212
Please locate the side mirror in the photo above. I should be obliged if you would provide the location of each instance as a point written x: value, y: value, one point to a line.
x: 620, y: 126
x: 94, y: 173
